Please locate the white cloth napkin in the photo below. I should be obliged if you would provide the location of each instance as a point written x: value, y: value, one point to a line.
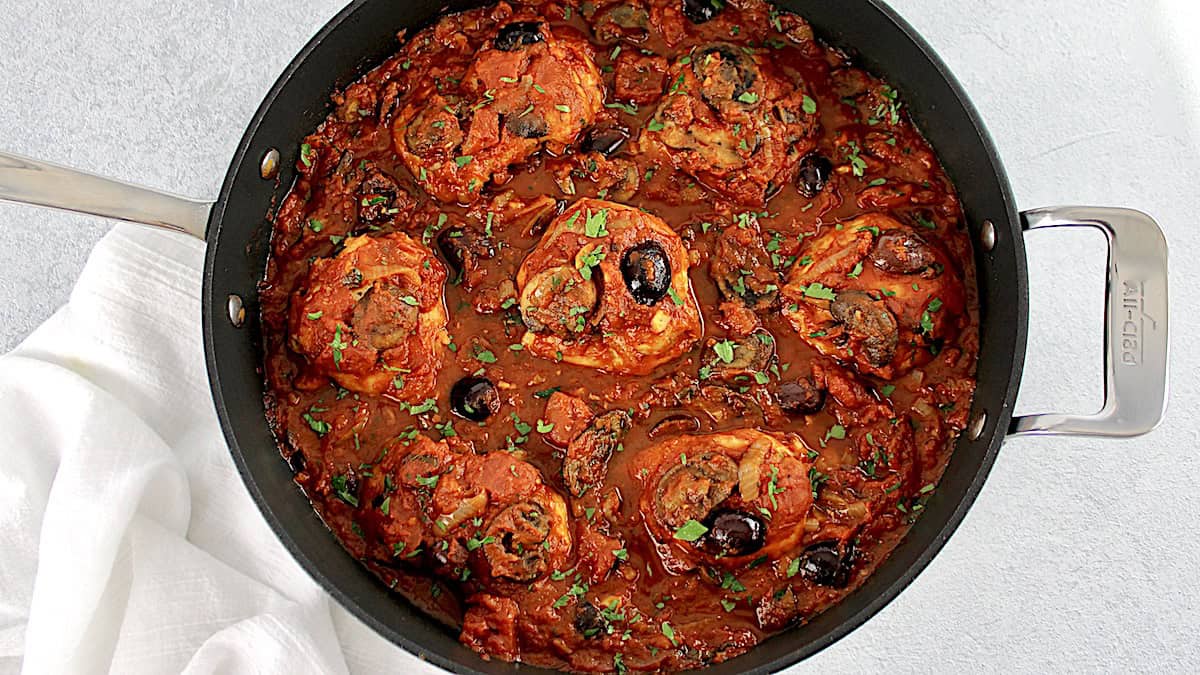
x: 127, y: 541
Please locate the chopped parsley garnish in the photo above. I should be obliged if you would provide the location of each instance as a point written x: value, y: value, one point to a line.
x: 816, y: 290
x: 341, y: 489
x: 306, y: 152
x: 337, y: 346
x: 748, y: 97
x: 674, y: 296
x: 655, y: 125
x: 313, y: 316
x: 562, y: 108
x: 463, y: 160
x: 877, y: 182
x: 321, y: 427
x: 670, y: 633
x: 887, y: 389
x: 628, y: 108
x: 692, y: 530
x: 809, y: 105
x: 595, y: 225
x: 485, y: 356
x: 857, y: 164
x: 589, y: 260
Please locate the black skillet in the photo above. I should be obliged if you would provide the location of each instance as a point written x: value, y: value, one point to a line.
x: 237, y: 228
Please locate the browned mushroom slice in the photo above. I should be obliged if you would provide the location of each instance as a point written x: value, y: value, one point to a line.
x: 587, y: 457
x: 693, y: 488
x: 377, y: 197
x: 673, y: 425
x: 465, y: 249
x: 514, y: 547
x: 742, y: 268
x: 868, y: 319
x: 752, y: 354
x: 724, y: 72
x: 900, y: 252
x: 385, y: 315
x: 529, y: 125
x: 434, y: 130
x: 559, y: 301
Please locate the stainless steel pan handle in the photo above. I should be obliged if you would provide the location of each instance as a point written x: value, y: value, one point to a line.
x: 29, y: 181
x: 1135, y: 325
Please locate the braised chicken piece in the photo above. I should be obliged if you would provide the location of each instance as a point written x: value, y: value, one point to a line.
x: 530, y: 88
x: 607, y: 287
x: 733, y: 121
x: 372, y: 317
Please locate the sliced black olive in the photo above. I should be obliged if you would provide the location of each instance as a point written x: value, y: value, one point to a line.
x: 814, y: 174
x: 900, y: 252
x: 827, y: 563
x: 724, y: 73
x: 867, y: 318
x: 733, y: 533
x: 605, y: 141
x: 700, y: 11
x: 647, y: 272
x: 518, y: 34
x: 691, y: 491
x: 474, y: 398
x: 586, y: 461
x: 589, y: 621
x: 297, y: 461
x: 527, y: 126
x: 800, y: 397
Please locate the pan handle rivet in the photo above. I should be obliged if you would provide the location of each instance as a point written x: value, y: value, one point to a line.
x: 237, y: 311
x: 975, y: 430
x: 987, y: 235
x: 269, y: 168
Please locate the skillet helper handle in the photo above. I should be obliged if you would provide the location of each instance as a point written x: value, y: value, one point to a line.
x: 1135, y: 325
x: 29, y: 181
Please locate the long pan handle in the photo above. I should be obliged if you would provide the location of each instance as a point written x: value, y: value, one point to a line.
x: 1135, y: 325
x: 29, y: 181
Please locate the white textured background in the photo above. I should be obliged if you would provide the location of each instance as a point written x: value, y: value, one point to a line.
x: 1080, y: 555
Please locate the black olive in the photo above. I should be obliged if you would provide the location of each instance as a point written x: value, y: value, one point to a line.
x: 589, y: 621
x: 733, y: 533
x: 826, y: 563
x: 518, y: 34
x: 814, y: 174
x: 605, y: 141
x: 699, y: 11
x: 474, y: 398
x: 647, y: 272
x: 800, y: 397
x: 297, y: 461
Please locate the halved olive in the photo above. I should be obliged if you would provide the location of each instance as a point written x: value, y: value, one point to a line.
x: 867, y: 318
x: 647, y: 272
x: 700, y: 11
x: 518, y: 34
x: 474, y: 398
x: 814, y: 174
x: 800, y: 397
x: 605, y: 141
x: 827, y: 563
x: 733, y: 533
x: 901, y: 252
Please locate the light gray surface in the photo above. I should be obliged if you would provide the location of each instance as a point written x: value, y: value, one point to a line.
x: 1080, y: 555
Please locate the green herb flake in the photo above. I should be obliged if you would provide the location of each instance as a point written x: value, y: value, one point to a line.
x: 809, y: 106
x: 463, y: 160
x: 690, y: 531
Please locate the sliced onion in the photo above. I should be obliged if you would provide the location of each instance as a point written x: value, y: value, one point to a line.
x: 471, y: 507
x: 750, y: 469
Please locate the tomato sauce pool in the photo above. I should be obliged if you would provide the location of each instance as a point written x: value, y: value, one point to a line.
x: 619, y: 336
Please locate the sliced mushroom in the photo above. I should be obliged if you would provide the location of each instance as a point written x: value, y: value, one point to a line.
x: 647, y: 272
x: 586, y: 461
x: 515, y: 539
x: 691, y: 489
x: 527, y: 125
x: 385, y: 316
x: 589, y: 621
x: 752, y: 354
x: 673, y: 425
x: 724, y: 72
x: 621, y: 20
x: 742, y: 268
x: 518, y: 34
x: 900, y: 252
x: 434, y: 130
x: 377, y: 197
x: 559, y: 301
x: 464, y: 248
x: 868, y: 319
